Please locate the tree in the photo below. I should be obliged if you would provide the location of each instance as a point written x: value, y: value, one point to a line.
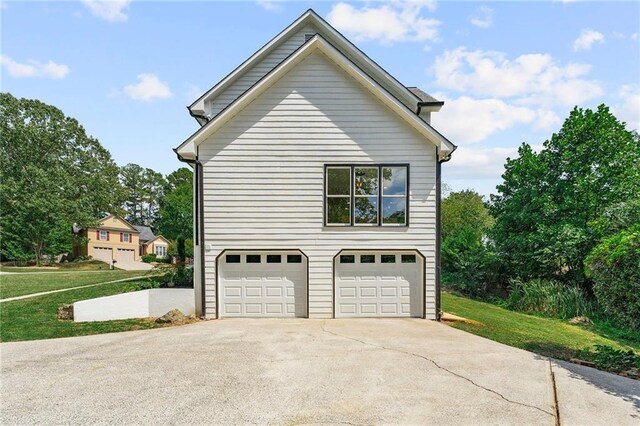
x: 547, y: 200
x: 466, y: 255
x: 144, y: 188
x: 176, y: 208
x: 53, y: 175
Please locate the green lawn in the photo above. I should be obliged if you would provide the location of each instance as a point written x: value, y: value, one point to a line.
x: 36, y: 318
x: 21, y: 284
x: 86, y: 265
x: 546, y: 336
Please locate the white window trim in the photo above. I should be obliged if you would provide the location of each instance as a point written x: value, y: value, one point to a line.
x: 126, y: 237
x: 105, y: 235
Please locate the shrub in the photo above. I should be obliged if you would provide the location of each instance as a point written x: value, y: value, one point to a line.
x: 464, y: 262
x: 549, y: 298
x: 148, y: 258
x: 178, y: 275
x: 614, y: 267
x: 611, y: 359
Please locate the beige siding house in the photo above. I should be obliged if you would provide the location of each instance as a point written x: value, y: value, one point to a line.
x: 115, y: 239
x: 317, y: 185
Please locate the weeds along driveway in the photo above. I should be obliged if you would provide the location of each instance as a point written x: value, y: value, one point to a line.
x: 361, y: 371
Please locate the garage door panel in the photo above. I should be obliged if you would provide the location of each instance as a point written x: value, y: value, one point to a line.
x: 125, y: 255
x: 103, y: 254
x: 390, y: 289
x: 263, y: 289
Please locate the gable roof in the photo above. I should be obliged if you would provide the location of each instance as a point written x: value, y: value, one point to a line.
x: 157, y: 238
x: 146, y: 234
x: 405, y: 95
x: 317, y: 42
x: 109, y: 216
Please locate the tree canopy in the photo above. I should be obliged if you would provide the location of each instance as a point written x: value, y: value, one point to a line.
x: 547, y: 201
x: 53, y: 175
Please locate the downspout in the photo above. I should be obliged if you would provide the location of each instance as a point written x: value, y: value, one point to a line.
x: 199, y: 211
x: 439, y: 230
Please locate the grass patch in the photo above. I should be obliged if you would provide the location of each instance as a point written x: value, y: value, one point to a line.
x: 36, y: 318
x: 23, y: 284
x: 546, y: 336
x: 84, y: 265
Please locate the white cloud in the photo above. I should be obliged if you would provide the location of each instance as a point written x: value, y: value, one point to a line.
x: 34, y: 68
x: 470, y: 162
x: 109, y: 10
x: 466, y: 120
x: 483, y: 18
x: 387, y: 23
x: 587, y: 39
x: 628, y: 110
x: 529, y: 78
x: 634, y: 37
x: 148, y: 88
x: 270, y: 5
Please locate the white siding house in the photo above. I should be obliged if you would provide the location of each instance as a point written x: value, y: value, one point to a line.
x: 317, y: 185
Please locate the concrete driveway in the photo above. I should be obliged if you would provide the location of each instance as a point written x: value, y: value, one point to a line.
x: 133, y: 265
x: 301, y: 372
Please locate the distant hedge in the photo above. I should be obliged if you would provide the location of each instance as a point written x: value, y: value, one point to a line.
x: 614, y: 267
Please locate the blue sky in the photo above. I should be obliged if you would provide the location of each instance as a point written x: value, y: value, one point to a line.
x: 508, y: 71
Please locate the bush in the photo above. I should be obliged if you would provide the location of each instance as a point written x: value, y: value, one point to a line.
x: 148, y: 258
x: 614, y: 267
x: 464, y: 262
x: 178, y: 275
x: 549, y: 298
x: 611, y: 359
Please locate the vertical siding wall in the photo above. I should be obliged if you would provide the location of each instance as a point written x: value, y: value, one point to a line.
x: 264, y: 176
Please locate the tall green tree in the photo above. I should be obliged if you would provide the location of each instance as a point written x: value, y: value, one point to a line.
x: 547, y: 200
x: 144, y: 188
x: 53, y: 175
x: 176, y: 209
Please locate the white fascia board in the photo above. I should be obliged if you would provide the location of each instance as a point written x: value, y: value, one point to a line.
x: 198, y: 105
x: 309, y: 17
x: 317, y: 42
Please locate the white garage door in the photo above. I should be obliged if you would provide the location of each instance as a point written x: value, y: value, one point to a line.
x: 378, y: 284
x: 263, y: 284
x: 102, y: 253
x: 126, y: 255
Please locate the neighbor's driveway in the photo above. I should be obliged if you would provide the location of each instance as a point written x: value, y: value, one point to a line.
x: 300, y: 372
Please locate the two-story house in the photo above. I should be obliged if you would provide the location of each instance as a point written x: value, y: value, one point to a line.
x: 115, y: 239
x: 317, y: 185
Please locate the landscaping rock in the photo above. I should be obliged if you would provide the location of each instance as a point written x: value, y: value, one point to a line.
x: 65, y: 312
x: 580, y: 320
x: 173, y: 316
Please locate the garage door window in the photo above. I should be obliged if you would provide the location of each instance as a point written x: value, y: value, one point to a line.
x: 253, y: 258
x: 388, y: 258
x: 232, y: 258
x: 347, y: 258
x: 368, y: 258
x: 408, y: 258
x: 274, y: 258
x: 294, y: 258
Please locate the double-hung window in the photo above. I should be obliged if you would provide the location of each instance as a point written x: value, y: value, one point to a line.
x: 366, y: 195
x: 103, y: 235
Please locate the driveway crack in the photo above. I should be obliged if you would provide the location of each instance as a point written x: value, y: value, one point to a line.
x: 453, y: 373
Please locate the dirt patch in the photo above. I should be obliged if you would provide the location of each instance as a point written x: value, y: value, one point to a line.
x: 454, y: 318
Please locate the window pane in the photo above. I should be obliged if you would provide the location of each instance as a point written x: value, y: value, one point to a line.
x: 368, y: 258
x: 339, y: 210
x: 294, y: 258
x: 388, y: 258
x: 408, y: 258
x: 366, y: 210
x: 233, y: 258
x: 274, y: 258
x: 393, y: 210
x: 253, y: 258
x: 394, y: 180
x: 366, y: 181
x: 347, y: 258
x: 338, y: 181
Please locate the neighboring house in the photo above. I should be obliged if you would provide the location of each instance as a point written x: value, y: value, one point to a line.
x: 150, y: 244
x: 115, y: 239
x: 317, y: 185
